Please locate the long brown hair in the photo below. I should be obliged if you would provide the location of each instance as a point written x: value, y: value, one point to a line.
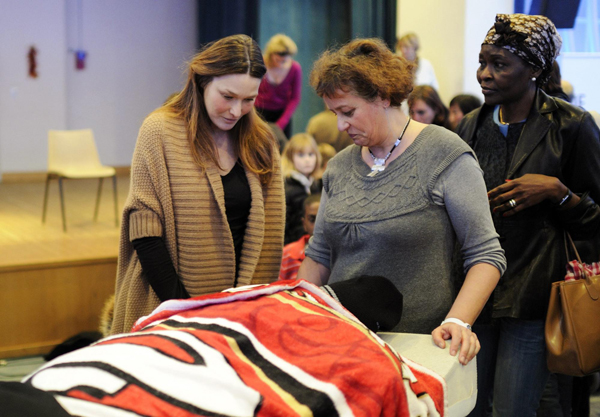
x: 430, y: 97
x: 253, y: 139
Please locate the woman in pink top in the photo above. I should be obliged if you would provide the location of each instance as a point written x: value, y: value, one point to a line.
x: 279, y: 92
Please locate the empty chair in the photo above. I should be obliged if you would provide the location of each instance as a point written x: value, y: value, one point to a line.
x: 73, y: 154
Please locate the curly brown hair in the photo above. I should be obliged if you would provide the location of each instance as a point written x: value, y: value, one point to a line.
x: 365, y: 67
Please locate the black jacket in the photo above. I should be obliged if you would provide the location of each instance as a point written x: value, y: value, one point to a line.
x: 558, y: 140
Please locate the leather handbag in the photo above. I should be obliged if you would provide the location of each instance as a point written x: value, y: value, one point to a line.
x: 573, y: 320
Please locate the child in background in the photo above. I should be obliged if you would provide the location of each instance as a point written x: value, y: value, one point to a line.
x: 460, y: 105
x: 299, y: 162
x: 293, y: 253
x: 327, y: 152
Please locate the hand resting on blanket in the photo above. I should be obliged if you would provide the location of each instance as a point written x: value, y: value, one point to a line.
x: 287, y: 348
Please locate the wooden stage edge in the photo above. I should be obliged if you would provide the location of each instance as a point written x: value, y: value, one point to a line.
x: 58, y: 264
x: 46, y: 303
x: 54, y: 284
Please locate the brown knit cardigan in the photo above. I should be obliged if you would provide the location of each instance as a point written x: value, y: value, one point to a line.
x: 170, y: 197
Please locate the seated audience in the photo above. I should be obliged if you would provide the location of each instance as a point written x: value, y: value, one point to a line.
x: 567, y: 87
x: 327, y: 152
x: 459, y: 106
x: 299, y: 163
x: 426, y: 106
x: 281, y: 138
x: 293, y: 253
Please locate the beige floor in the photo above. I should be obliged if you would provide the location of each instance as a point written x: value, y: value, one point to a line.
x: 24, y: 240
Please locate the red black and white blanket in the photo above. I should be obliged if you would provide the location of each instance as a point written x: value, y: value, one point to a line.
x: 284, y: 349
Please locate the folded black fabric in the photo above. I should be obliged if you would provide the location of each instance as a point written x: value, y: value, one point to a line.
x: 374, y: 300
x: 78, y: 341
x: 23, y: 400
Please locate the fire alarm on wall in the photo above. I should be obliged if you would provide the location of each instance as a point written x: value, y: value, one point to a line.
x: 80, y: 59
x: 31, y: 57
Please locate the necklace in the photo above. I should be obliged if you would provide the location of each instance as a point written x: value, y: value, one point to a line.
x: 379, y: 163
x: 506, y: 123
x: 500, y: 116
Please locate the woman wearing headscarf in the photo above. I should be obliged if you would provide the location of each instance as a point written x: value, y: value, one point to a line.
x: 541, y: 158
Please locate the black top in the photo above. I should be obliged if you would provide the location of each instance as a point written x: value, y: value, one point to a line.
x: 154, y: 256
x: 237, y: 208
x: 158, y: 268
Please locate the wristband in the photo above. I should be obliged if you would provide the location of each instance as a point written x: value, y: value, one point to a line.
x: 566, y: 198
x: 456, y: 321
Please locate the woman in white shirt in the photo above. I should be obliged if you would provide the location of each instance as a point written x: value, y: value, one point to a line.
x: 407, y: 46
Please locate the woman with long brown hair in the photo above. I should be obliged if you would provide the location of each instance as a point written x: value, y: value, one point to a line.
x: 205, y: 210
x: 426, y: 106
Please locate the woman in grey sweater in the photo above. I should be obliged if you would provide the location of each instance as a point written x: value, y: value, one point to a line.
x: 396, y: 204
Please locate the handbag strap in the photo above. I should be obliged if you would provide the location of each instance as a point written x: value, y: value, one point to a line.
x: 573, y: 247
x: 592, y: 291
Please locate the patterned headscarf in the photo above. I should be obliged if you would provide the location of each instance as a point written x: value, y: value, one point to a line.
x: 534, y: 39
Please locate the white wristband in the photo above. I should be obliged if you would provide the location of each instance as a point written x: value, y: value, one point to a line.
x: 456, y: 321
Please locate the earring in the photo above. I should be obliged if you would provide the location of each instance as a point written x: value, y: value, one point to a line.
x: 533, y: 78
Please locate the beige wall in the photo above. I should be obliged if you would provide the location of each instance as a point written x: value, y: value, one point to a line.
x: 440, y: 27
x: 451, y: 32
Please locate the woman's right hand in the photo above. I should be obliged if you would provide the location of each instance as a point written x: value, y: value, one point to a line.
x: 462, y: 338
x: 529, y: 190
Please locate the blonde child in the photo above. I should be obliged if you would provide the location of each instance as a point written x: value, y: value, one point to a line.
x: 300, y: 161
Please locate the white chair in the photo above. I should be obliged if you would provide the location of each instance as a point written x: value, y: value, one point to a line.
x: 72, y: 154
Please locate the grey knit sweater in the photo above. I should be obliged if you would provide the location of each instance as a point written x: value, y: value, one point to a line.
x: 404, y: 222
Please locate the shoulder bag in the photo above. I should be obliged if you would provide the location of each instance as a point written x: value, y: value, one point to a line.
x: 573, y: 319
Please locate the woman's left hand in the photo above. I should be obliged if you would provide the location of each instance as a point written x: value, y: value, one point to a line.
x: 527, y: 191
x: 462, y: 338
